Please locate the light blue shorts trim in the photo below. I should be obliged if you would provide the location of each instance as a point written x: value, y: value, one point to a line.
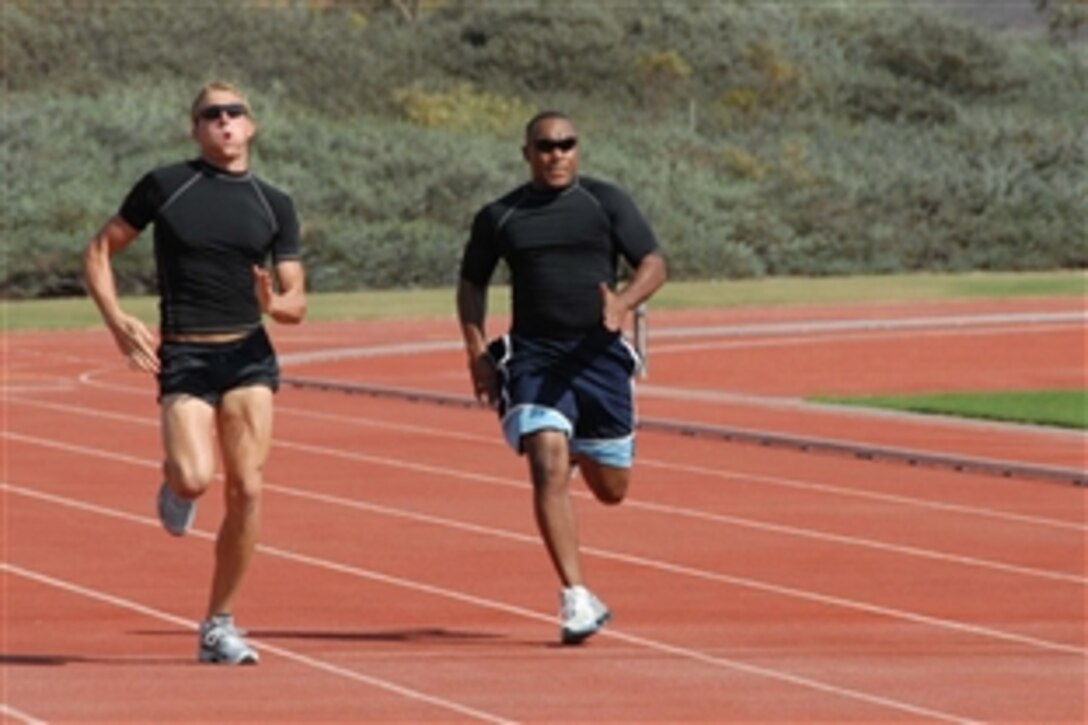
x: 526, y: 419
x: 618, y: 453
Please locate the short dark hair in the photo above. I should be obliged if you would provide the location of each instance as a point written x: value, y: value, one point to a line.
x: 542, y: 116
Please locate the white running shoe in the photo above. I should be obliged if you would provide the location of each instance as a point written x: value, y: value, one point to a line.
x: 175, y: 513
x: 581, y: 613
x: 221, y: 643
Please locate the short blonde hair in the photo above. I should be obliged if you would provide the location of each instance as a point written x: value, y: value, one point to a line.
x: 211, y: 87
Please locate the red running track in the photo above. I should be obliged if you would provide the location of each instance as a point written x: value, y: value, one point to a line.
x: 400, y: 576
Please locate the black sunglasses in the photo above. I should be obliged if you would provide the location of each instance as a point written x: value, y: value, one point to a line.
x: 214, y: 111
x: 547, y: 145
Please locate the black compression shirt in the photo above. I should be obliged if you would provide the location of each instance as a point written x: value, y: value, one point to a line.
x: 211, y: 227
x: 559, y: 247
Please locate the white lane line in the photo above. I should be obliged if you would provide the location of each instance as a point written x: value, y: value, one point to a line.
x: 297, y: 657
x: 19, y: 716
x: 743, y: 582
x: 684, y: 512
x: 492, y: 441
x: 682, y: 652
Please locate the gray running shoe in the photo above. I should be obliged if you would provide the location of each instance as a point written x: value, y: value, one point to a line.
x: 581, y: 614
x: 175, y: 513
x: 221, y: 643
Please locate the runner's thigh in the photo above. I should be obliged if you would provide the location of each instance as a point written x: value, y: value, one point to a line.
x: 245, y: 430
x: 188, y: 442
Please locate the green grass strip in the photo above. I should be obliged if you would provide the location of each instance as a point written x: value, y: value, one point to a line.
x: 80, y: 313
x: 1058, y: 408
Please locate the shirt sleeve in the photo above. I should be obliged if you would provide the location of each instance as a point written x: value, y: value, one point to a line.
x: 142, y: 203
x: 481, y: 254
x: 631, y: 233
x: 285, y: 246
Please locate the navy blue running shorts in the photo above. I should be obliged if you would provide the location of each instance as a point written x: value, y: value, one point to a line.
x: 582, y: 387
x: 207, y: 370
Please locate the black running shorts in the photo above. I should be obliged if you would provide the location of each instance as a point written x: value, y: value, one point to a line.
x: 209, y: 370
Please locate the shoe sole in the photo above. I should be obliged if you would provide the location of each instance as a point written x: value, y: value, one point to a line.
x: 212, y: 659
x: 569, y: 636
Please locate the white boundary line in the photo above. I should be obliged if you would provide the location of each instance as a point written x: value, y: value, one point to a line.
x: 935, y: 323
x: 820, y: 328
x: 839, y: 339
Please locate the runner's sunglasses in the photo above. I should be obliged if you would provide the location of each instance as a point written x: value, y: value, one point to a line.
x: 214, y: 111
x: 547, y: 145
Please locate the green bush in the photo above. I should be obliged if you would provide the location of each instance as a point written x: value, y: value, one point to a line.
x: 759, y: 138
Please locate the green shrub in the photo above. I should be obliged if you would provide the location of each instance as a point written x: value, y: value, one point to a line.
x: 759, y: 138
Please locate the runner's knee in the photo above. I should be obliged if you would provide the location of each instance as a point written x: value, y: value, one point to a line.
x: 189, y: 480
x: 609, y: 485
x: 549, y: 459
x: 244, y: 492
